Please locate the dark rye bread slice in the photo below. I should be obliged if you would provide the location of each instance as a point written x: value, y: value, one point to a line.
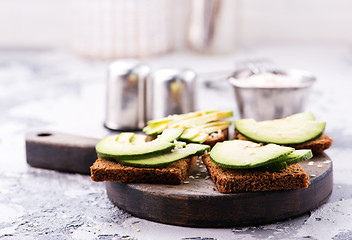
x: 248, y: 180
x: 210, y: 141
x: 174, y: 173
x: 218, y: 138
x: 317, y: 145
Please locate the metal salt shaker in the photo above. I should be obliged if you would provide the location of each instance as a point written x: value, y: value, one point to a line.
x: 126, y: 95
x: 170, y: 91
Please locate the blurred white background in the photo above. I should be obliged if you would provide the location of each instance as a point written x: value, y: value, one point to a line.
x: 51, y: 23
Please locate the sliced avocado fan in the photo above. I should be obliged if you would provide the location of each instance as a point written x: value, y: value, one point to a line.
x: 246, y: 154
x: 133, y: 150
x: 114, y: 148
x: 296, y: 129
x: 193, y: 119
x: 167, y: 157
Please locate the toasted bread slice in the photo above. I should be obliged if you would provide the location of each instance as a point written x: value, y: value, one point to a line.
x: 210, y: 141
x: 317, y: 145
x: 174, y: 173
x: 249, y: 180
x: 219, y: 138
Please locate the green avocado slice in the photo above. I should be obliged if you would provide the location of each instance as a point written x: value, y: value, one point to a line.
x: 138, y: 139
x: 155, y: 129
x: 125, y: 137
x: 193, y: 119
x: 180, y: 117
x: 167, y: 158
x: 298, y: 156
x: 295, y: 157
x: 273, y: 167
x: 296, y: 129
x: 109, y: 147
x: 200, y: 138
x: 246, y: 154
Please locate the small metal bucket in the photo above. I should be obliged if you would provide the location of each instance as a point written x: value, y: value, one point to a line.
x: 271, y: 102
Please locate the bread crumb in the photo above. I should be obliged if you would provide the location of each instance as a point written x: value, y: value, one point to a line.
x: 135, y: 228
x: 312, y: 175
x: 186, y: 182
x: 311, y: 163
x: 320, y: 166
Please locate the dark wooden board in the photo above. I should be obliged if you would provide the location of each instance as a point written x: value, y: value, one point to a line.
x: 60, y: 151
x: 199, y: 204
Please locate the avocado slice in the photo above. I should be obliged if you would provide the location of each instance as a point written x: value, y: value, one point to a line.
x: 167, y: 158
x: 298, y: 156
x: 125, y: 137
x: 180, y: 117
x: 200, y: 138
x: 191, y: 133
x: 155, y: 129
x: 193, y: 119
x: 171, y: 134
x: 202, y: 119
x: 109, y: 147
x: 295, y: 157
x: 246, y: 154
x: 138, y: 139
x: 273, y: 167
x: 295, y: 129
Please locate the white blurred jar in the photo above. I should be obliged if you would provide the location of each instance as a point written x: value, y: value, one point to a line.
x: 108, y: 29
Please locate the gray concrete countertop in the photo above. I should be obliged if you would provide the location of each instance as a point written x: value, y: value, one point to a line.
x: 54, y: 90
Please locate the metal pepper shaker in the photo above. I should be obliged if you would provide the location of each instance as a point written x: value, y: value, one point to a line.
x: 170, y: 91
x: 126, y: 95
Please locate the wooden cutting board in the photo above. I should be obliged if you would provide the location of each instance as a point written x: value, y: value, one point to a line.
x: 60, y: 151
x: 196, y: 203
x: 199, y: 204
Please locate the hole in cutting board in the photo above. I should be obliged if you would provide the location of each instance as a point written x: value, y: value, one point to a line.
x: 44, y: 134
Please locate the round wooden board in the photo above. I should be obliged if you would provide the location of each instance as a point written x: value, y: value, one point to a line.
x: 199, y: 204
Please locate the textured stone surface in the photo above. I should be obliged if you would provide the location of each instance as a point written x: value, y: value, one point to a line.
x: 53, y: 90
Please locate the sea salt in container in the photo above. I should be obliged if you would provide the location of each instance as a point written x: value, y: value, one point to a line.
x: 268, y: 95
